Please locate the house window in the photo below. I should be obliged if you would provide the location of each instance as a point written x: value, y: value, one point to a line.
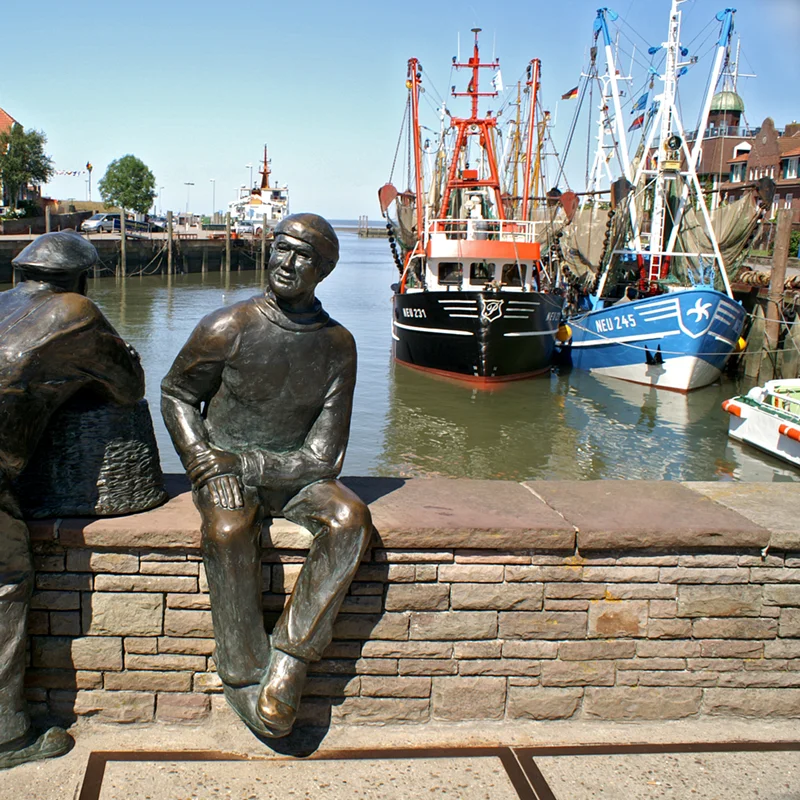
x: 790, y: 168
x: 789, y: 198
x: 737, y: 173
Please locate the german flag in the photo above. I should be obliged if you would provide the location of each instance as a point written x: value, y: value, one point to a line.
x: 572, y: 93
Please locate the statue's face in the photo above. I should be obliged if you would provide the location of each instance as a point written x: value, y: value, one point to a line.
x: 294, y: 267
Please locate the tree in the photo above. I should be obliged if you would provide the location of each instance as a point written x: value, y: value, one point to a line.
x: 128, y: 183
x: 22, y: 160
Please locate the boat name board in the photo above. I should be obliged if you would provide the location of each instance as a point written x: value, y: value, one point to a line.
x: 608, y: 324
x: 415, y: 313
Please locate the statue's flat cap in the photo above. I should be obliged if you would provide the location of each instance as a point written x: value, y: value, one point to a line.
x: 61, y: 251
x: 314, y: 230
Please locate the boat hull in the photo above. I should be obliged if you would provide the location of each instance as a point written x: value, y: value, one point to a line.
x: 766, y: 431
x: 482, y: 337
x: 679, y: 341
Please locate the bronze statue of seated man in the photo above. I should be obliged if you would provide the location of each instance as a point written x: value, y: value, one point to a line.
x: 258, y: 404
x: 54, y: 343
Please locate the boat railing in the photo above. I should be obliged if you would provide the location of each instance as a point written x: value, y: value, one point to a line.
x: 503, y: 230
x: 790, y: 403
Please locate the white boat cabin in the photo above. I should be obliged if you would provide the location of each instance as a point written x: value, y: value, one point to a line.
x: 475, y: 254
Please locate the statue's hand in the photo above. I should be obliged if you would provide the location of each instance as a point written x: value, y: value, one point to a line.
x: 212, y: 463
x: 220, y: 471
x: 226, y: 491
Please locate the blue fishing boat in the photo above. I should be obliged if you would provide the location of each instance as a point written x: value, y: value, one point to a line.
x: 679, y: 340
x: 656, y: 307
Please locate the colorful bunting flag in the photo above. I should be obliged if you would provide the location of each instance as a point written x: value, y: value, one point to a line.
x: 640, y: 104
x: 637, y: 123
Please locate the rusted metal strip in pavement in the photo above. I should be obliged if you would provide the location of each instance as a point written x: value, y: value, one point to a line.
x: 95, y: 768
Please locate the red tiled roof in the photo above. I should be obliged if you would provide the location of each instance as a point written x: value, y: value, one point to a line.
x: 6, y: 120
x: 795, y: 151
x: 740, y: 157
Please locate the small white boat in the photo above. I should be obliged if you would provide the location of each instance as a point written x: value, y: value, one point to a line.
x: 768, y: 417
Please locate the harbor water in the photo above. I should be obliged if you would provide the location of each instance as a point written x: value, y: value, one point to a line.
x: 565, y: 426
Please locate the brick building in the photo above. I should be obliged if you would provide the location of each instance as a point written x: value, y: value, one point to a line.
x: 734, y: 155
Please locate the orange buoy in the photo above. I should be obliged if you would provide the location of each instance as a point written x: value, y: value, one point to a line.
x: 790, y: 432
x: 732, y: 408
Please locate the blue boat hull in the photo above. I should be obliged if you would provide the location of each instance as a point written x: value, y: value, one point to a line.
x: 680, y: 340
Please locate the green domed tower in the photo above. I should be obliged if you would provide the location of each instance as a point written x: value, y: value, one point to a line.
x: 726, y: 109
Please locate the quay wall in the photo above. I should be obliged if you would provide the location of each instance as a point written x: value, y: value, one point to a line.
x: 147, y: 254
x: 477, y: 600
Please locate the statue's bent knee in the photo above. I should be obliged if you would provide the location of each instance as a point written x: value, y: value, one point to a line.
x: 351, y: 516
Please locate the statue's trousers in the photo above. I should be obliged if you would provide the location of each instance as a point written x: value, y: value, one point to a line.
x: 341, y: 526
x: 16, y: 587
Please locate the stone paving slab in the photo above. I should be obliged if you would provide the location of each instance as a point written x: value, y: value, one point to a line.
x: 376, y: 779
x: 420, y: 513
x: 775, y: 506
x: 444, y: 512
x: 653, y: 515
x: 62, y: 778
x: 674, y: 776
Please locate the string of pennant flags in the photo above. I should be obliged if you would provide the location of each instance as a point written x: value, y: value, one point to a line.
x: 74, y: 172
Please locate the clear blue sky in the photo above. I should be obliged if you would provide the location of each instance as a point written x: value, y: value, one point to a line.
x: 195, y: 89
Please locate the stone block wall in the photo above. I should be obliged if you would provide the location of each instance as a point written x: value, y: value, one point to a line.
x: 447, y: 623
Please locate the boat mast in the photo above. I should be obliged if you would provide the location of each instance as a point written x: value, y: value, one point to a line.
x: 726, y: 18
x: 472, y: 126
x: 513, y: 161
x: 534, y: 69
x: 601, y: 26
x: 265, y: 171
x: 412, y: 82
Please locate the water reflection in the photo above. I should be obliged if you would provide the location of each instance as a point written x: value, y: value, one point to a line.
x: 565, y: 426
x: 570, y: 426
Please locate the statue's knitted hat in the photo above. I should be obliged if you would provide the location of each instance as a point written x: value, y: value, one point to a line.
x: 62, y: 251
x: 314, y: 230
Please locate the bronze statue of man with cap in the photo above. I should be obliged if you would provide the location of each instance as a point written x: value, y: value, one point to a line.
x: 258, y: 404
x: 54, y: 343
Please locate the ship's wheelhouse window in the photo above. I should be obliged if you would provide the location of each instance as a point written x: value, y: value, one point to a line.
x: 450, y: 273
x: 514, y: 274
x: 481, y: 272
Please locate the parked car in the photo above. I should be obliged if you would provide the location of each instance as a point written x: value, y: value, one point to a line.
x: 98, y: 223
x: 243, y: 226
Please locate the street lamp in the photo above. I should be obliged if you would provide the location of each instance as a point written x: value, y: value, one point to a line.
x: 188, y: 185
x: 213, y: 196
x: 250, y: 167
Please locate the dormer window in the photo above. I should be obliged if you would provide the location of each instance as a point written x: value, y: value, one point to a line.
x: 789, y: 167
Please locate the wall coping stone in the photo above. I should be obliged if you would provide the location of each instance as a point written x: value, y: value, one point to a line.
x: 558, y: 516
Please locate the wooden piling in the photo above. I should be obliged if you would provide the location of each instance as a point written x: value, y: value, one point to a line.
x: 47, y: 219
x: 123, y: 256
x: 772, y: 325
x: 169, y: 243
x: 204, y: 266
x: 228, y: 241
x: 263, y: 242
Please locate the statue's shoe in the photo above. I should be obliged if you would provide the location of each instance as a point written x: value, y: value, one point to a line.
x: 280, y: 692
x: 243, y: 699
x: 52, y: 743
